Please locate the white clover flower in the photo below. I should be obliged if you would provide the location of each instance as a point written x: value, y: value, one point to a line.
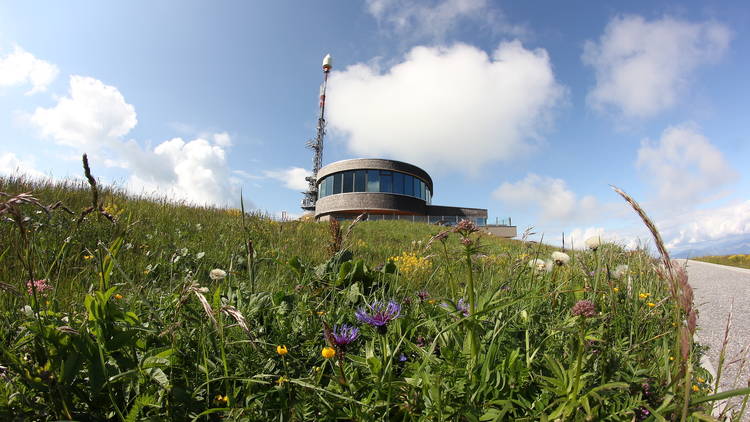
x: 594, y: 242
x: 217, y: 274
x: 560, y: 258
x: 620, y: 271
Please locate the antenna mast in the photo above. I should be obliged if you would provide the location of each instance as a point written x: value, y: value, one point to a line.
x: 311, y: 195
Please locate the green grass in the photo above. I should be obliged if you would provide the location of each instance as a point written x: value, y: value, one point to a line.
x: 737, y: 260
x: 134, y: 328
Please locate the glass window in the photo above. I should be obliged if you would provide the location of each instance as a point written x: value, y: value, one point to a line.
x: 422, y: 192
x: 408, y: 185
x: 322, y: 189
x: 386, y: 181
x: 429, y: 195
x: 329, y: 185
x: 337, y: 183
x: 359, y: 181
x: 348, y: 181
x: 398, y: 183
x: 373, y: 181
x: 416, y: 187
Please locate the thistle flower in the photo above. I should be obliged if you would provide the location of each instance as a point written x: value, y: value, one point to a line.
x: 593, y: 242
x: 560, y: 258
x: 584, y: 308
x: 423, y: 295
x: 540, y: 265
x: 217, y: 274
x: 379, y: 315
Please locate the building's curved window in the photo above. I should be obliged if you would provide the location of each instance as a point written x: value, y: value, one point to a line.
x: 374, y: 181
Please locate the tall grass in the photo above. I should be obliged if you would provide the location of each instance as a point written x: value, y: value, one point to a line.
x: 138, y: 325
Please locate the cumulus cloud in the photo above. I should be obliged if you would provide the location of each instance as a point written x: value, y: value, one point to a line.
x: 700, y: 226
x: 91, y: 116
x: 642, y: 66
x: 454, y: 107
x: 11, y: 165
x: 576, y: 239
x: 435, y: 19
x: 95, y: 117
x: 684, y: 167
x: 550, y: 196
x: 293, y: 178
x: 21, y: 67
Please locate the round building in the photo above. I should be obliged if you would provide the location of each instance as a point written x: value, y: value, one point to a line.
x: 383, y: 189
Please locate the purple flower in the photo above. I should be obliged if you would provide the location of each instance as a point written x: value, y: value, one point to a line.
x: 423, y: 295
x: 584, y: 308
x: 379, y: 315
x: 41, y: 286
x: 342, y: 336
x: 402, y: 358
x: 462, y: 307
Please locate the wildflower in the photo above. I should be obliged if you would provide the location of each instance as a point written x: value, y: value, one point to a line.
x: 281, y: 350
x: 671, y: 358
x: 402, y: 358
x: 88, y: 257
x: 27, y: 311
x: 560, y: 258
x: 217, y: 274
x: 540, y: 265
x: 465, y: 227
x: 651, y: 304
x: 620, y: 271
x: 462, y: 307
x: 432, y: 301
x: 594, y: 242
x: 380, y: 314
x: 342, y: 336
x: 423, y: 295
x: 328, y: 352
x: 321, y: 313
x: 118, y: 296
x: 466, y: 241
x: 282, y: 380
x: 221, y: 399
x: 644, y: 295
x: 616, y: 289
x: 41, y: 286
x: 409, y: 263
x: 696, y: 388
x: 583, y: 308
x: 701, y: 380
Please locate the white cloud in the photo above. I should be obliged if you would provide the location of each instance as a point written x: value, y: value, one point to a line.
x: 550, y: 196
x: 436, y: 18
x: 90, y: 117
x: 642, y: 66
x: 684, y: 167
x: 293, y: 178
x: 453, y: 107
x: 11, y: 165
x: 21, y: 67
x: 700, y: 226
x: 95, y: 117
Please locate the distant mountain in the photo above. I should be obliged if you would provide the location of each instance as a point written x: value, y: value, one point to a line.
x: 729, y: 246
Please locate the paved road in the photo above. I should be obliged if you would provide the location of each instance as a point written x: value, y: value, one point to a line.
x: 715, y: 287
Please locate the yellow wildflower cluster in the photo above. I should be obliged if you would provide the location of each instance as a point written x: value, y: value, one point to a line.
x: 113, y: 210
x: 409, y: 263
x: 361, y: 243
x: 494, y: 260
x: 234, y: 212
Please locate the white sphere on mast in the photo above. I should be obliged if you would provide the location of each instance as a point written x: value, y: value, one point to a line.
x: 327, y: 63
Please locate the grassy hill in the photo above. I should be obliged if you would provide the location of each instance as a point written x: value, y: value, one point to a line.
x: 147, y: 309
x: 737, y: 260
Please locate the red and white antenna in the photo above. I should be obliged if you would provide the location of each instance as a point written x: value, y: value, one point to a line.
x: 311, y: 195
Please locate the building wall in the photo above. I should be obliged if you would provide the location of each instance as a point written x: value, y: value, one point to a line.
x: 376, y: 164
x: 501, y: 231
x: 373, y: 202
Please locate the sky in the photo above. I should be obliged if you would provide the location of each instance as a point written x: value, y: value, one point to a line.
x: 530, y: 109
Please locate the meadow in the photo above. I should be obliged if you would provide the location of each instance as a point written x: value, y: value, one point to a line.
x: 127, y: 309
x: 737, y: 260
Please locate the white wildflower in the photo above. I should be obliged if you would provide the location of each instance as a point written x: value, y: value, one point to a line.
x: 620, y: 271
x: 217, y: 274
x: 593, y: 242
x: 540, y: 265
x: 560, y: 258
x: 200, y: 255
x: 28, y: 311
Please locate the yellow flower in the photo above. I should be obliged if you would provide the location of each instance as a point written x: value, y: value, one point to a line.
x: 328, y: 352
x: 644, y: 295
x: 281, y: 380
x: 695, y: 388
x: 118, y: 296
x: 701, y: 380
x: 87, y: 257
x: 219, y: 398
x: 432, y: 301
x: 671, y: 358
x: 616, y: 290
x: 281, y: 350
x: 409, y: 263
x: 651, y: 304
x: 321, y: 313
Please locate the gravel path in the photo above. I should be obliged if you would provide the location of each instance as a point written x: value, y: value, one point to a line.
x: 715, y: 287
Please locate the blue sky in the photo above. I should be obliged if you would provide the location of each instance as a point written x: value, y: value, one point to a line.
x: 529, y: 109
